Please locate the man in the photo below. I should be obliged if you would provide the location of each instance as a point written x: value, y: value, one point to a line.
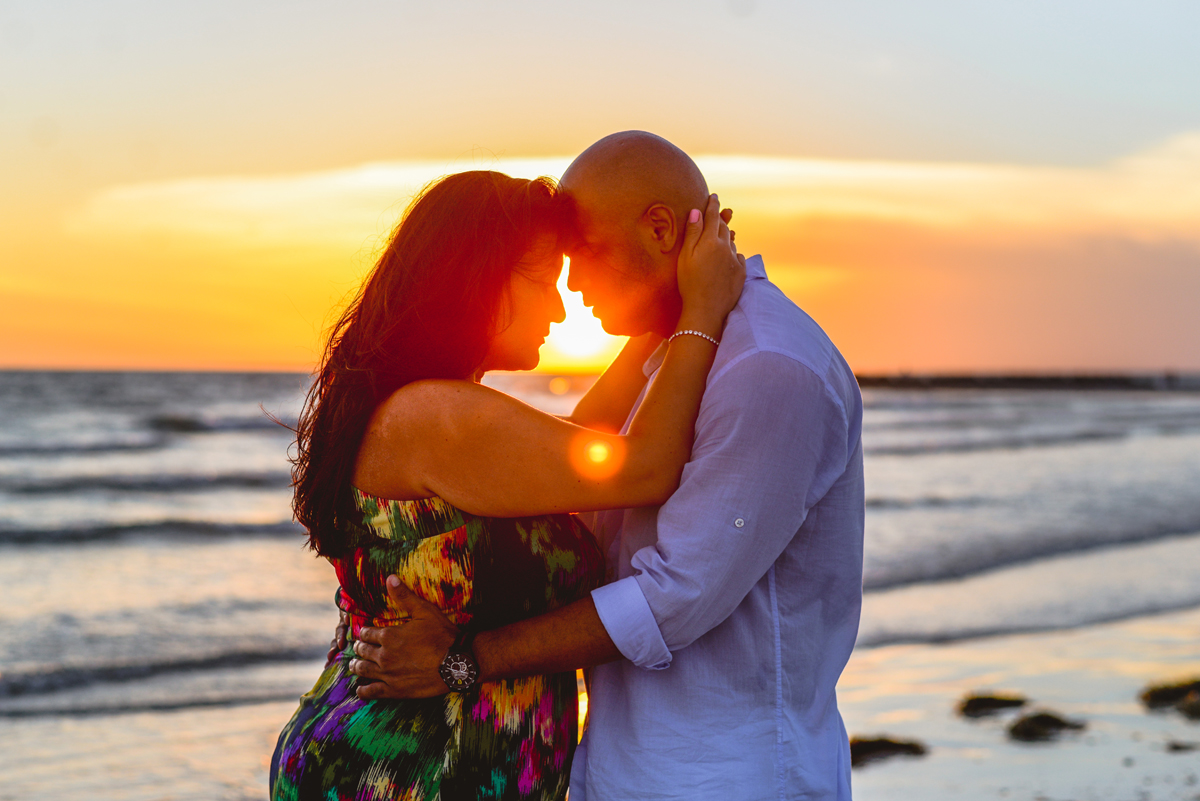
x: 732, y: 608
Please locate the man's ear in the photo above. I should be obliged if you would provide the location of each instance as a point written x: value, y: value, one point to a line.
x: 660, y: 225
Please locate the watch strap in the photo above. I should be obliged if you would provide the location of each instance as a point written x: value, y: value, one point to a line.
x: 463, y: 642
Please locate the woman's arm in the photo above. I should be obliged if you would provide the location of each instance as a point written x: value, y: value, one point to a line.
x: 489, y: 454
x: 606, y: 405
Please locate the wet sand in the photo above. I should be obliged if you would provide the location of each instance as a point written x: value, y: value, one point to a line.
x: 902, y: 691
x: 1092, y: 674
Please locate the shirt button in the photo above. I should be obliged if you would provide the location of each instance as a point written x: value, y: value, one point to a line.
x: 739, y: 522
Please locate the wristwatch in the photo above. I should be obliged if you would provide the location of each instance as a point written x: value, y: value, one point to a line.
x: 459, y: 669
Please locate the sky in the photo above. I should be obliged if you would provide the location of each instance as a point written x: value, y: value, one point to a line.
x: 944, y: 186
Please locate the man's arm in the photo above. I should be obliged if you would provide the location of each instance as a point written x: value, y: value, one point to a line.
x: 772, y: 438
x: 403, y: 660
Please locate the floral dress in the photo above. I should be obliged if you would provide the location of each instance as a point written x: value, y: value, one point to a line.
x: 509, y: 739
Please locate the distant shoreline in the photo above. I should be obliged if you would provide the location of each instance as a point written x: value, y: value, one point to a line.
x: 1155, y: 382
x: 1151, y: 382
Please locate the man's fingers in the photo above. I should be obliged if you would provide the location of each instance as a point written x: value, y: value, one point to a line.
x: 339, y: 635
x: 374, y: 691
x: 403, y: 599
x: 365, y: 670
x: 367, y: 651
x: 370, y: 634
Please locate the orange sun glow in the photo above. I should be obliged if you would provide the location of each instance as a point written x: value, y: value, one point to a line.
x: 579, y: 343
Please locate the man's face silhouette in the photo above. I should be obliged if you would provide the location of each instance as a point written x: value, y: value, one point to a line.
x: 625, y: 288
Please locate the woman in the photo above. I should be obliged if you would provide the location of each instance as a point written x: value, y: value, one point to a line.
x: 408, y: 466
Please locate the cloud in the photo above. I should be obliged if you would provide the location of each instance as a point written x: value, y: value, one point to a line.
x: 1151, y: 195
x: 335, y: 207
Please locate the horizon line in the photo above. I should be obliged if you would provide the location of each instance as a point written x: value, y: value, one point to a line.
x: 947, y: 379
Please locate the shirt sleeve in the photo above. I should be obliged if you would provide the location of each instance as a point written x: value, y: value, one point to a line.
x: 771, y: 439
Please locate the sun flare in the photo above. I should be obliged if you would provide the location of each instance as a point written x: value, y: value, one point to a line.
x: 579, y: 343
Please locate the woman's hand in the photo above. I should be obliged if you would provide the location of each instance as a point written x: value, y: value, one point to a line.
x: 711, y: 272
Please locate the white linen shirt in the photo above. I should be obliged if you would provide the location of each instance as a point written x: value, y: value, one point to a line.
x: 736, y: 603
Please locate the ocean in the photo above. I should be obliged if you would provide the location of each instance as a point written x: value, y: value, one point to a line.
x: 159, y: 613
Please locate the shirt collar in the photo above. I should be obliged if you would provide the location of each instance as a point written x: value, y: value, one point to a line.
x: 656, y: 359
x: 754, y: 269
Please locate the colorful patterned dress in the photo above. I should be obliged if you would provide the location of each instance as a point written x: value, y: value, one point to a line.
x: 510, y: 739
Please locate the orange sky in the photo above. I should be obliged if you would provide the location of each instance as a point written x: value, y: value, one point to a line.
x: 947, y: 189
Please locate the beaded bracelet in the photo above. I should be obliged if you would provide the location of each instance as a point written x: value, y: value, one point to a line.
x: 694, y: 333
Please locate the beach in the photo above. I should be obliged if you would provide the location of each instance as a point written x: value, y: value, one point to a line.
x: 159, y: 614
x: 904, y: 691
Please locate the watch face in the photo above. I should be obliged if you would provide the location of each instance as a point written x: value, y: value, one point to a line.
x: 458, y: 671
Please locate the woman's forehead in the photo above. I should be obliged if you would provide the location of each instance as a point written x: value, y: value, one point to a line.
x: 544, y: 255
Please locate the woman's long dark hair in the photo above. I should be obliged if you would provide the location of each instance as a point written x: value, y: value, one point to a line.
x: 427, y: 310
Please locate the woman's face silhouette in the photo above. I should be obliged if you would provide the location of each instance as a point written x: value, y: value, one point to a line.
x: 533, y: 303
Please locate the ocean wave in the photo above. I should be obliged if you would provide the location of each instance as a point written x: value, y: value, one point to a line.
x: 152, y: 433
x: 995, y: 442
x: 1013, y: 552
x: 927, y: 502
x: 1024, y: 506
x: 1063, y: 592
x: 918, y: 636
x: 148, y: 483
x: 85, y: 447
x: 164, y: 528
x: 262, y: 682
x: 199, y: 424
x: 54, y: 680
x: 106, y: 709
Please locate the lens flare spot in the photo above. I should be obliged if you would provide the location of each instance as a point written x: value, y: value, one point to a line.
x: 598, y: 452
x: 560, y: 385
x: 597, y: 458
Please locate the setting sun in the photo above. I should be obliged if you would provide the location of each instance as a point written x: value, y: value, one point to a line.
x: 579, y: 343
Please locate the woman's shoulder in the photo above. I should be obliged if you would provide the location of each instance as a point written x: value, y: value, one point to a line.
x: 435, y: 402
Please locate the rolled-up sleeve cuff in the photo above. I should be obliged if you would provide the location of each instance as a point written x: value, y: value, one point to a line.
x: 626, y: 616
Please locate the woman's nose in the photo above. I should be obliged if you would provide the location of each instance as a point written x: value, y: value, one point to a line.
x: 558, y: 312
x: 574, y: 277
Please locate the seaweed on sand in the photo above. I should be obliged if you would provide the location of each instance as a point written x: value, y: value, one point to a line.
x: 1160, y: 696
x: 981, y: 705
x: 865, y: 750
x: 1041, y: 726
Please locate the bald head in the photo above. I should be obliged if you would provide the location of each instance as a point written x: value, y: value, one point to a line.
x: 632, y: 192
x: 626, y: 173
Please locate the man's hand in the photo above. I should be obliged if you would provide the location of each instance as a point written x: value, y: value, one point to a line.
x: 338, y: 643
x: 402, y: 661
